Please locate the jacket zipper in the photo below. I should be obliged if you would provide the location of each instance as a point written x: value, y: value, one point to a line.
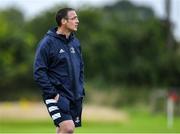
x: 71, y: 73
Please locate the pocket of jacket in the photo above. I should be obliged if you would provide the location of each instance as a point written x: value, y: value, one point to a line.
x: 63, y: 104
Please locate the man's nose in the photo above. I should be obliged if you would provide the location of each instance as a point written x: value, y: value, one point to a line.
x: 77, y: 20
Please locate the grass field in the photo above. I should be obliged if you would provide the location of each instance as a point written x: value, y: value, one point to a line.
x: 139, y: 122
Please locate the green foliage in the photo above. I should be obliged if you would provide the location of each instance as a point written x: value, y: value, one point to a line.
x: 122, y: 44
x: 15, y: 53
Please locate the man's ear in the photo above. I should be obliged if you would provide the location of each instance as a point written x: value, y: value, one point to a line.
x: 63, y: 21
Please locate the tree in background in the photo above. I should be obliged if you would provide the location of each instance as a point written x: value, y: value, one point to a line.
x: 123, y: 44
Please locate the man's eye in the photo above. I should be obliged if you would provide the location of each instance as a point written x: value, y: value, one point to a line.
x: 73, y: 18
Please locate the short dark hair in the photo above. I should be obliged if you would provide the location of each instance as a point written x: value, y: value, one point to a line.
x: 62, y: 13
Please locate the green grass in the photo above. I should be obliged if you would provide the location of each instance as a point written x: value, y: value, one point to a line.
x: 135, y: 127
x: 138, y: 122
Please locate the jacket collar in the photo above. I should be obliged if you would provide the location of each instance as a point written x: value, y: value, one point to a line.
x: 52, y: 32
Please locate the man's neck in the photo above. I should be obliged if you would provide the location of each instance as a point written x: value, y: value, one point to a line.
x: 63, y: 31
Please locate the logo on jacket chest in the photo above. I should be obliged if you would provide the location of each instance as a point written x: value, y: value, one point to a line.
x: 72, y: 50
x: 61, y: 51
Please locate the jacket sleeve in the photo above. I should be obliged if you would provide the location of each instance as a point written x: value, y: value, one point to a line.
x: 41, y: 71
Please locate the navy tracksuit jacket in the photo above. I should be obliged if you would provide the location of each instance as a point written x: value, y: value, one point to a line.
x: 58, y: 66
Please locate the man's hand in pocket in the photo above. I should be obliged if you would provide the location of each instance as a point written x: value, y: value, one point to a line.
x: 57, y: 97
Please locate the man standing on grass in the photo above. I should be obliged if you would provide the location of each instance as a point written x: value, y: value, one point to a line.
x: 58, y: 69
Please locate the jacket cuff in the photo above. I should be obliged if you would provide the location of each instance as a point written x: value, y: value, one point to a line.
x: 49, y: 95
